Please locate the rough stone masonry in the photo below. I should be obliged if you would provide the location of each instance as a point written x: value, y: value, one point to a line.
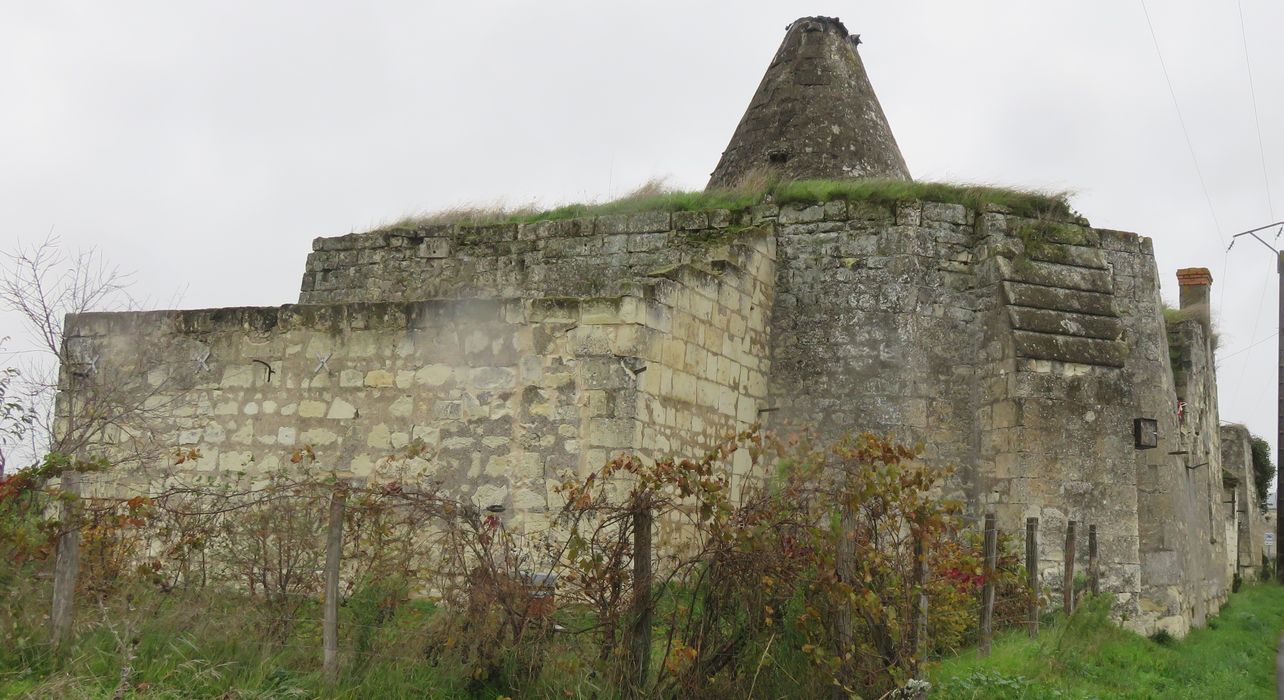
x: 1018, y: 350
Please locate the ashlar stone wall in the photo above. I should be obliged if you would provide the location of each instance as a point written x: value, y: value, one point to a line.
x: 588, y: 257
x: 507, y: 394
x: 1248, y: 523
x: 1017, y: 350
x: 510, y: 396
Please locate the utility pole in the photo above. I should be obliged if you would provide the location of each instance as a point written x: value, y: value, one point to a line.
x: 1279, y: 392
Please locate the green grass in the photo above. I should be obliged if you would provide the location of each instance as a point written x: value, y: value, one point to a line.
x: 1090, y: 657
x: 654, y: 196
x: 1031, y: 203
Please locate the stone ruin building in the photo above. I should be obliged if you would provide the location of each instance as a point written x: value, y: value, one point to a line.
x: 1021, y: 351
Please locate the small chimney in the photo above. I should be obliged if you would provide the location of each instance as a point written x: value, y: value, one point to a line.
x: 1194, y: 284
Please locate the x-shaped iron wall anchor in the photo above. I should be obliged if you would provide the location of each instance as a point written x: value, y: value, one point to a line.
x: 322, y: 362
x: 202, y: 362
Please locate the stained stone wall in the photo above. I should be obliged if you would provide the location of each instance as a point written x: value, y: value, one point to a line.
x: 1184, y: 553
x: 509, y: 395
x: 502, y: 391
x: 1017, y: 350
x: 563, y: 258
x: 1248, y: 523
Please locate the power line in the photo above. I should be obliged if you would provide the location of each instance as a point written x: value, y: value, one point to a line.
x: 1257, y: 317
x: 1261, y: 150
x: 1182, y: 121
x: 1247, y: 348
x: 1257, y: 119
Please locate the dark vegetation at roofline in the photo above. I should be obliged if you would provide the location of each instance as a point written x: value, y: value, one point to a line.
x: 655, y: 196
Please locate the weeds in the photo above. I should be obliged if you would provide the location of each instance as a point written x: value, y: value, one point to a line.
x: 756, y: 189
x: 802, y: 580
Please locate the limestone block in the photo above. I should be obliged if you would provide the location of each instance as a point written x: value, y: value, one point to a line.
x: 836, y: 210
x: 643, y: 222
x: 215, y: 433
x: 909, y: 214
x: 1086, y: 351
x: 318, y: 437
x: 526, y: 500
x: 944, y: 213
x: 690, y: 220
x: 684, y: 386
x: 801, y: 215
x: 234, y: 461
x: 379, y: 379
x: 350, y: 378
x: 1066, y: 323
x: 1121, y: 241
x: 600, y: 311
x: 243, y: 434
x: 341, y: 410
x: 434, y: 248
x: 310, y: 408
x: 1040, y: 297
x: 378, y: 437
x: 493, y: 378
x: 229, y: 407
x: 240, y: 376
x: 1057, y: 275
x: 434, y: 375
x: 647, y: 242
x: 363, y: 344
x: 490, y: 494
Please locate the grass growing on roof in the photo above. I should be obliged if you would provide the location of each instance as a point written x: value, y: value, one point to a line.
x: 656, y: 196
x: 1023, y: 202
x: 1090, y: 657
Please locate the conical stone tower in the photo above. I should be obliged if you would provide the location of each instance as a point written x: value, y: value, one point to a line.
x: 815, y: 114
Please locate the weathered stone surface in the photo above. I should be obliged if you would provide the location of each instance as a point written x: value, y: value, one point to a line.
x: 1055, y: 299
x: 1086, y: 351
x: 531, y: 351
x: 814, y: 115
x: 1064, y: 323
x: 1057, y: 275
x: 1079, y: 256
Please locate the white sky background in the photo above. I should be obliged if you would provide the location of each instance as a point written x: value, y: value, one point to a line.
x: 204, y: 144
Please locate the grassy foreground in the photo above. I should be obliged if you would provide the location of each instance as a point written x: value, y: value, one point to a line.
x: 1088, y: 657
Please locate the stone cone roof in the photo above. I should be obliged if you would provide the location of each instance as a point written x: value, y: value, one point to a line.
x: 815, y: 114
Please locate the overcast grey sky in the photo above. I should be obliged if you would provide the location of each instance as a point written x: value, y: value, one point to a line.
x: 204, y: 144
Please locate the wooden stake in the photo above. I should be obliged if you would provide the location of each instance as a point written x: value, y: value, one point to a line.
x: 845, y: 565
x: 333, y: 553
x: 987, y: 588
x: 67, y: 563
x: 1067, y: 585
x: 1032, y: 575
x: 640, y: 634
x: 919, y: 640
x: 1094, y: 572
